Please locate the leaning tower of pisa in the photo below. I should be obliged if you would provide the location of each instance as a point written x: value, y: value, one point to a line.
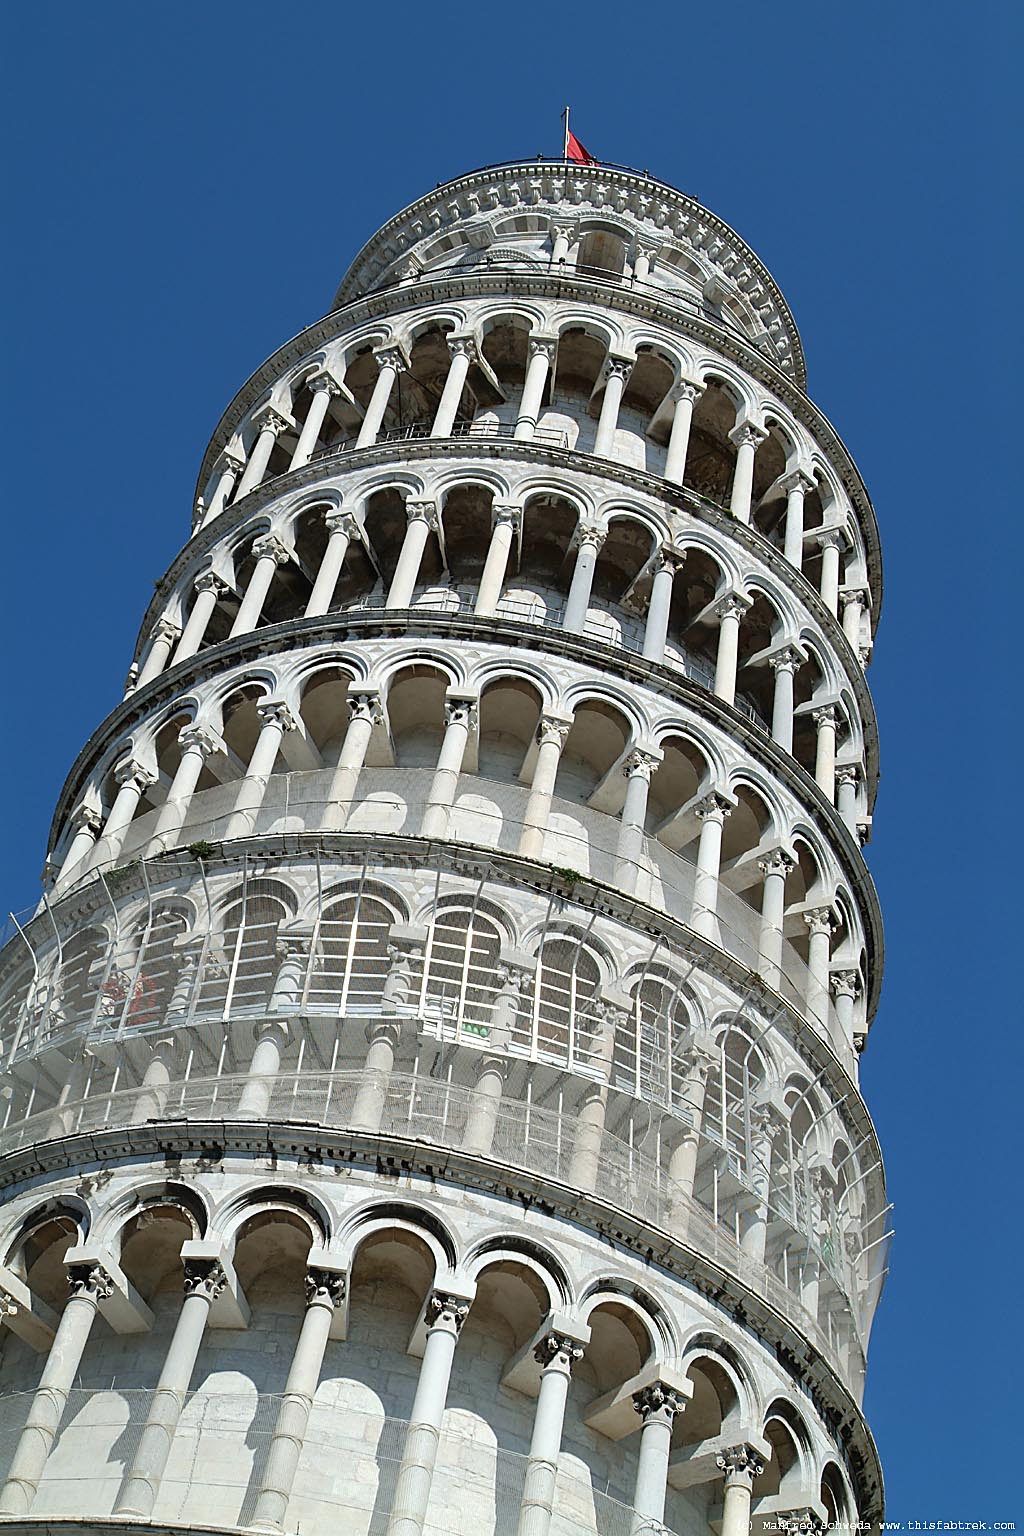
x: 431, y: 1098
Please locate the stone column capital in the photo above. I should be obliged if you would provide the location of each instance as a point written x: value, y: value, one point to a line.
x: 669, y: 558
x: 540, y: 345
x: 746, y: 434
x: 589, y: 533
x: 460, y: 710
x: 825, y: 716
x: 366, y: 704
x: 130, y: 771
x: 323, y: 384
x: 829, y: 538
x: 202, y: 739
x: 844, y: 983
x: 230, y: 463
x: 797, y: 480
x: 853, y: 595
x: 267, y: 419
x: 732, y: 606
x: 553, y: 728
x: 209, y: 581
x: 506, y: 514
x: 342, y: 521
x: 821, y: 920
x: 847, y: 773
x: 421, y: 510
x: 204, y: 1277
x: 558, y: 1346
x: 276, y: 712
x: 713, y: 807
x: 271, y: 547
x: 391, y: 357
x: 446, y: 1311
x: 462, y: 345
x: 741, y: 1464
x: 89, y: 1280
x: 325, y: 1287
x: 658, y: 1401
x: 617, y: 366
x: 166, y: 629
x: 686, y: 389
x: 85, y: 818
x: 641, y: 763
x: 788, y: 659
x: 777, y: 862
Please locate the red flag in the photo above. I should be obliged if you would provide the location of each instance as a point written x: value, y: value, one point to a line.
x: 574, y: 151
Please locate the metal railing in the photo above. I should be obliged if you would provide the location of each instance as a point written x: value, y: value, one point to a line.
x: 535, y: 1139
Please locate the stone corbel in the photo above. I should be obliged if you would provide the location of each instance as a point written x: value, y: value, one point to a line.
x: 615, y: 1414
x: 229, y: 1308
x: 462, y: 1291
x: 123, y: 1308
x: 523, y: 1371
x: 24, y: 1314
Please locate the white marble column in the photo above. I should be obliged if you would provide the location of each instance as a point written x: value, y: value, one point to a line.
x: 729, y: 611
x: 208, y: 588
x: 830, y: 542
x: 747, y: 436
x: 271, y: 424
x: 657, y: 1406
x: 741, y: 1464
x: 325, y: 1291
x: 88, y: 1285
x: 845, y: 987
x: 382, y: 1035
x: 796, y: 485
x: 616, y: 372
x: 86, y: 824
x: 324, y: 389
x: 589, y: 1115
x: 821, y: 926
x: 162, y: 642
x: 556, y: 1354
x: 711, y: 813
x: 825, y: 723
x: 846, y: 791
x: 198, y: 743
x: 342, y: 528
x: 668, y: 564
x: 851, y: 601
x: 228, y: 470
x: 462, y: 350
x: 552, y: 733
x: 775, y: 867
x: 459, y: 720
x: 696, y: 1063
x: 445, y: 1316
x: 482, y: 1118
x: 264, y: 1065
x: 156, y: 1080
x: 506, y: 520
x: 204, y: 1281
x: 133, y: 780
x: 390, y: 363
x: 366, y: 713
x: 766, y: 1126
x: 638, y: 768
x: 269, y: 552
x: 685, y: 394
x: 587, y: 540
x: 541, y: 350
x: 784, y: 664
x: 421, y: 522
x: 562, y: 237
x: 643, y: 255
x: 275, y: 718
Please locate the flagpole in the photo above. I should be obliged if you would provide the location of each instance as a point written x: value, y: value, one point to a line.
x: 565, y: 141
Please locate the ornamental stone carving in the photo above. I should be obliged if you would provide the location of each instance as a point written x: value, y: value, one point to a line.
x: 658, y: 1401
x: 271, y: 547
x: 560, y: 1347
x: 204, y: 1277
x: 446, y: 1311
x: 325, y: 1287
x: 740, y: 1463
x: 89, y: 1280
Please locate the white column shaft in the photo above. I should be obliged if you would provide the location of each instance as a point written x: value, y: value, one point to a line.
x: 253, y: 787
x: 727, y: 657
x: 538, y: 1502
x: 825, y: 758
x: 847, y: 807
x: 378, y: 405
x: 782, y: 708
x: 264, y: 1065
x: 736, y: 1509
x: 604, y: 440
x: 705, y: 886
x: 830, y: 575
x: 160, y: 648
x: 327, y: 576
x: 221, y: 494
x: 256, y: 466
x: 251, y: 608
x: 818, y: 955
x: 143, y: 1481
x: 538, y: 807
x: 346, y: 776
x: 315, y: 417
x: 44, y: 1416
x: 773, y: 911
x: 853, y: 609
x: 631, y: 829
x: 679, y: 440
x: 156, y: 1081
x: 793, y: 547
x: 198, y: 620
x: 412, y: 1490
x: 371, y: 1096
x: 174, y: 812
x: 652, y: 1473
x: 533, y: 393
x: 495, y: 566
x: 743, y: 481
x: 578, y: 601
x: 81, y: 844
x: 658, y: 611
x: 293, y: 1416
x: 407, y: 571
x: 446, y: 776
x: 451, y: 395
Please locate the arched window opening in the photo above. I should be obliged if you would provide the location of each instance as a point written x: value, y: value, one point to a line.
x: 711, y: 458
x: 460, y: 972
x: 602, y: 253
x: 466, y: 518
x: 350, y: 956
x: 416, y: 712
x: 566, y: 1014
x: 385, y: 525
x: 240, y: 977
x: 737, y: 1073
x: 649, y: 1057
x: 510, y: 709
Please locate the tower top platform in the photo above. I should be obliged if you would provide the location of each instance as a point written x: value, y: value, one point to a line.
x: 500, y: 218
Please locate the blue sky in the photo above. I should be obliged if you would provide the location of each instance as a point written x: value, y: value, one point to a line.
x: 187, y: 185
